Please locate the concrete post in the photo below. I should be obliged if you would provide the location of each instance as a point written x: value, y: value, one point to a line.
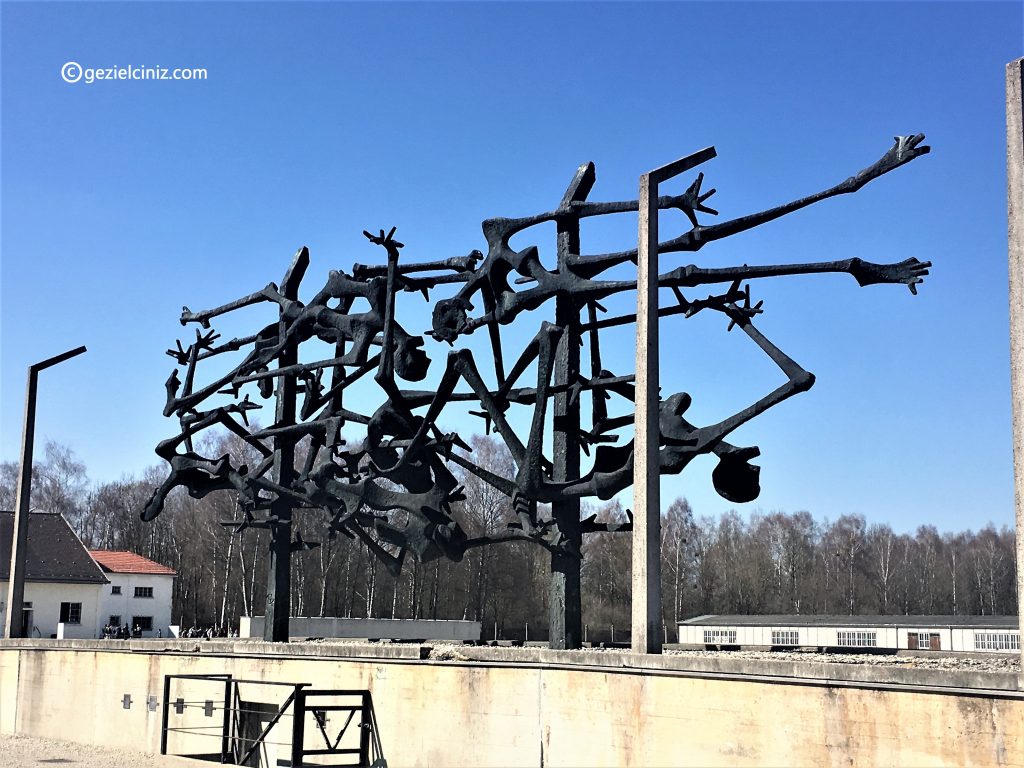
x: 646, y: 576
x: 646, y: 607
x: 14, y: 618
x: 1015, y: 215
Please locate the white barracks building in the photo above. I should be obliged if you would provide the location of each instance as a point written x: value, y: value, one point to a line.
x: 139, y: 593
x: 855, y: 633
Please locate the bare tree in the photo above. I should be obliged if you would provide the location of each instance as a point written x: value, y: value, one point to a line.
x: 882, y: 543
x: 677, y: 529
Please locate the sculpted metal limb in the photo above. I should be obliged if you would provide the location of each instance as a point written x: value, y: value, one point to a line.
x: 905, y: 149
x: 396, y: 488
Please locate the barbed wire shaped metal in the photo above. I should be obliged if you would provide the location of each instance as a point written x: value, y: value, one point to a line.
x: 397, y: 489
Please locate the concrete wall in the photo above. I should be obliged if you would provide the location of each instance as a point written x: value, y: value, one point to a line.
x: 547, y: 708
x: 127, y: 606
x: 46, y: 598
x: 394, y: 629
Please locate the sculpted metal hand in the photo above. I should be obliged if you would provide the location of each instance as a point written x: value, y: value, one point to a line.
x: 910, y: 272
x: 902, y: 152
x: 692, y: 200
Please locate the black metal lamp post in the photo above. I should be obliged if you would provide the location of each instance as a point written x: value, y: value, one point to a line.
x: 14, y: 621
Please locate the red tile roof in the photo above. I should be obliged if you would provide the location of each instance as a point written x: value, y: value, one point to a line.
x: 118, y: 561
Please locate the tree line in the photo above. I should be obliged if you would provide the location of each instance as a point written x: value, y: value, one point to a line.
x: 763, y: 563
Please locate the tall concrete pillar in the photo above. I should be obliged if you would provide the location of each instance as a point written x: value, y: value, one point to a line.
x: 646, y: 575
x: 1015, y: 215
x: 647, y: 628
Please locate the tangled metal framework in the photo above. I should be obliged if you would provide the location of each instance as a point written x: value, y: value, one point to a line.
x: 396, y: 490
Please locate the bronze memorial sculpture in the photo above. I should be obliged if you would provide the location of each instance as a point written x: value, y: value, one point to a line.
x: 395, y: 491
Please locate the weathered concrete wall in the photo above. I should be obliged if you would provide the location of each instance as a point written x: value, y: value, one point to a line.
x: 551, y: 709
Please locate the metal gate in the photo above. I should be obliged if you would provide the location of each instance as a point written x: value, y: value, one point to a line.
x: 254, y: 723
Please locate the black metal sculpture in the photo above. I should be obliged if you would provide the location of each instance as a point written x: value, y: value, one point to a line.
x: 395, y: 492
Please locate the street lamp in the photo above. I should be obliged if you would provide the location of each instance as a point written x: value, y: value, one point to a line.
x: 14, y: 621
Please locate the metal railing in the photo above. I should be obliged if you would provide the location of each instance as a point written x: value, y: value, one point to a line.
x: 304, y: 706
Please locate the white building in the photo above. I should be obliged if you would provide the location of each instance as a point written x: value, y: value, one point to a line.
x: 139, y: 593
x: 63, y: 584
x: 999, y: 634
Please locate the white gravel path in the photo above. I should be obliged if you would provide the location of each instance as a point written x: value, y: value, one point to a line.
x: 31, y: 752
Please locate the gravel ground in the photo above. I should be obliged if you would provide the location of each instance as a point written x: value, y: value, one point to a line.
x: 30, y: 752
x: 977, y: 663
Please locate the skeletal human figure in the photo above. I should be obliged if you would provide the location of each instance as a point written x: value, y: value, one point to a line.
x: 613, y: 467
x: 332, y: 325
x: 202, y: 476
x: 905, y: 149
x: 491, y: 279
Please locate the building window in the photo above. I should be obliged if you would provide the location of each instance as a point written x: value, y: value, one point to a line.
x: 115, y: 590
x: 720, y: 636
x: 142, y: 623
x: 143, y: 591
x: 71, y: 613
x: 997, y: 641
x: 858, y: 639
x: 924, y: 641
x: 115, y: 620
x: 785, y: 637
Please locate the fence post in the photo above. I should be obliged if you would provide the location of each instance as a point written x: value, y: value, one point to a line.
x: 298, y: 727
x: 225, y: 741
x: 364, y: 730
x: 164, y: 714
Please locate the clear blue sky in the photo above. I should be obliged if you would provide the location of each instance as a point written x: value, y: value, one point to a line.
x: 124, y: 200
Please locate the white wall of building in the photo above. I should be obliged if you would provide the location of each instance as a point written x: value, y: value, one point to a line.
x: 46, y: 599
x: 967, y: 638
x: 127, y: 606
x: 950, y: 639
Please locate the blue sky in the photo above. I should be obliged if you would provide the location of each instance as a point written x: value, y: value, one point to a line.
x: 124, y: 200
